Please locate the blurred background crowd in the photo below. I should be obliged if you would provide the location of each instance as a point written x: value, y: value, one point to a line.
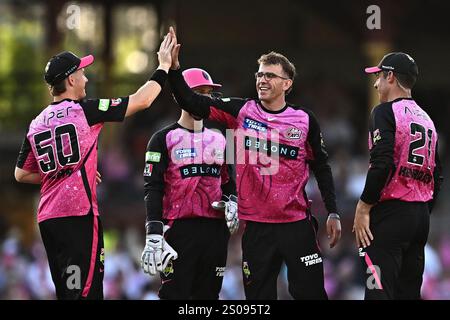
x: 330, y: 44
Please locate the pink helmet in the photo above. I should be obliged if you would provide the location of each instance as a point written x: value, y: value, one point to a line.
x: 196, y: 77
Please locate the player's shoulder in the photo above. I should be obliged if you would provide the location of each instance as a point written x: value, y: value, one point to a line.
x: 303, y: 109
x: 382, y: 108
x: 162, y: 133
x: 214, y: 125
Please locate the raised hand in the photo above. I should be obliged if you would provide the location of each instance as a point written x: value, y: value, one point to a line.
x: 165, y: 52
x: 175, y: 50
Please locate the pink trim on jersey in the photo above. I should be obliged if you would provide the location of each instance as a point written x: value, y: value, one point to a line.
x: 88, y: 284
x: 373, y: 270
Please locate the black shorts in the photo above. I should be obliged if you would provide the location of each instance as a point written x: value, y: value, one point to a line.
x: 202, y: 245
x: 75, y: 252
x: 394, y: 262
x: 265, y: 246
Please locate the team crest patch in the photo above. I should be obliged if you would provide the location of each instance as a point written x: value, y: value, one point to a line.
x: 218, y: 154
x: 376, y: 136
x: 293, y: 133
x: 116, y: 102
x: 148, y: 170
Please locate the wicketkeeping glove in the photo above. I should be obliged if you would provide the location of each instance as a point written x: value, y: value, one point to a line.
x: 157, y: 253
x: 229, y: 206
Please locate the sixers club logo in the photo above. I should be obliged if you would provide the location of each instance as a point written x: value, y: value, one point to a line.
x: 293, y: 133
x: 115, y: 102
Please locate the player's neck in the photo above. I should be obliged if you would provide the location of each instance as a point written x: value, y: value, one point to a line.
x: 399, y: 93
x: 274, y: 105
x: 186, y: 121
x: 65, y: 95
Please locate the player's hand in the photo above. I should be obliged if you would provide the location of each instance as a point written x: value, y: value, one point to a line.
x: 361, y: 224
x: 333, y: 229
x: 165, y: 52
x: 98, y: 178
x: 168, y: 253
x: 151, y: 261
x: 157, y: 253
x: 231, y: 213
x: 175, y: 50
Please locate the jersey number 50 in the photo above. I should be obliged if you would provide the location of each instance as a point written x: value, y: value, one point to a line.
x: 44, y: 146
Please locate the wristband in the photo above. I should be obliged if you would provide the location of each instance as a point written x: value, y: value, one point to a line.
x: 334, y: 216
x: 159, y: 76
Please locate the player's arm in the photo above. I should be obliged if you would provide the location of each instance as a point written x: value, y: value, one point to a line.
x: 322, y: 171
x: 146, y: 94
x: 382, y: 132
x: 319, y: 164
x: 26, y: 167
x: 437, y: 177
x: 198, y: 104
x: 25, y: 176
x: 156, y: 163
x: 228, y: 180
x: 115, y: 110
x: 157, y: 252
x: 229, y: 202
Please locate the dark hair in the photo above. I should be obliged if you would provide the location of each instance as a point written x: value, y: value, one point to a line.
x: 58, y: 88
x: 405, y: 80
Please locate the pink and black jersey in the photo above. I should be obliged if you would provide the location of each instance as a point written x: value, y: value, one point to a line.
x: 404, y: 163
x: 184, y: 173
x: 274, y: 152
x: 61, y: 144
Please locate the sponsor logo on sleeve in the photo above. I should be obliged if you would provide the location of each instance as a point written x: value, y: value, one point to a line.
x: 116, y: 102
x: 250, y: 123
x: 103, y: 104
x: 152, y: 156
x: 376, y: 136
x: 148, y: 170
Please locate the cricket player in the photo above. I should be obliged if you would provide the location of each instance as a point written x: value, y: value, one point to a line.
x: 392, y: 217
x: 186, y: 185
x: 59, y: 152
x: 276, y: 145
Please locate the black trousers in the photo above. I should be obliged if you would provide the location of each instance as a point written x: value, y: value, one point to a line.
x: 75, y: 253
x: 266, y: 245
x: 395, y: 260
x: 202, y: 245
